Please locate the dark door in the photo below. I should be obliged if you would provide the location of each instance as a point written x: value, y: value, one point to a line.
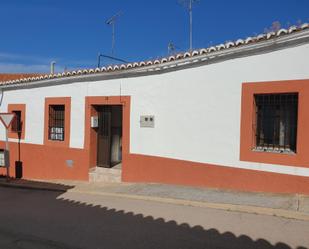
x: 104, y: 137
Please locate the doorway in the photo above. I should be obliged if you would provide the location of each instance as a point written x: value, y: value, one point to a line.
x: 109, y: 136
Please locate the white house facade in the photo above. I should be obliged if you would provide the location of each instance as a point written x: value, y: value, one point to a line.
x: 230, y: 116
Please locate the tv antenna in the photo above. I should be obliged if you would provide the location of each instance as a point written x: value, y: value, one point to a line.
x: 109, y: 57
x: 112, y: 21
x: 171, y: 48
x: 188, y: 5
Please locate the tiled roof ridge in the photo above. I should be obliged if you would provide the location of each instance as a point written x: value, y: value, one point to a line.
x: 11, y: 76
x: 179, y: 56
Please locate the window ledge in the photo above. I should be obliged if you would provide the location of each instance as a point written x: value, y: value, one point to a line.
x: 276, y: 151
x: 56, y: 143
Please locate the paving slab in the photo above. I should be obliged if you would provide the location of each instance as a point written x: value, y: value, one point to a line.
x: 290, y: 202
x: 218, y: 198
x: 304, y: 204
x: 280, y: 201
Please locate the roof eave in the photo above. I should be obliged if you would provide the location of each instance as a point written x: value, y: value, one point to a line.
x: 276, y: 43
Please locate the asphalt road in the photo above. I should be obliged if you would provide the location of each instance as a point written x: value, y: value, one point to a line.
x: 50, y: 220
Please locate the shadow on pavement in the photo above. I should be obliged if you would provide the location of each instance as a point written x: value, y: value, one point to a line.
x: 32, y: 184
x: 78, y: 225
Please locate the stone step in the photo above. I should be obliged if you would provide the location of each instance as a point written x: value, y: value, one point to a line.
x: 99, y: 174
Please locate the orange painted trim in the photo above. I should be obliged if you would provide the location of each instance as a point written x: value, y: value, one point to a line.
x: 90, y: 136
x: 66, y: 101
x: 47, y: 162
x: 247, y: 140
x: 22, y: 109
x: 142, y: 168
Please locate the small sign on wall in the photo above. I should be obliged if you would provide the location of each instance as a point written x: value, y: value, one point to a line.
x: 147, y: 121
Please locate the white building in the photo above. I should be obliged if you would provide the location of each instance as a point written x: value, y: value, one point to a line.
x: 229, y: 116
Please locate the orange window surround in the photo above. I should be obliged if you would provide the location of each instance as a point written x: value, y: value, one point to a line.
x: 247, y: 133
x: 22, y: 109
x: 66, y: 101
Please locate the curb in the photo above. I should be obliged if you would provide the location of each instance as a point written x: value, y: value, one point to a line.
x: 21, y: 186
x: 283, y: 213
x: 288, y: 214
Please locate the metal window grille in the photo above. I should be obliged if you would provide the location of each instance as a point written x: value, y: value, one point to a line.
x: 56, y: 122
x: 2, y: 158
x: 276, y: 122
x: 16, y: 124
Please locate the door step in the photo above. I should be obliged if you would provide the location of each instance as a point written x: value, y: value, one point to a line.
x: 99, y: 174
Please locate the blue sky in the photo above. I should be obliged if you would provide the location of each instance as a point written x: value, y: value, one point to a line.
x: 72, y: 32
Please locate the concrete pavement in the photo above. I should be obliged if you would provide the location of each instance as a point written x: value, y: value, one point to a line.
x: 283, y: 205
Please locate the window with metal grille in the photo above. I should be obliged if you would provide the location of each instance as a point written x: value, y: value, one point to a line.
x: 2, y: 158
x: 56, y: 122
x: 276, y: 122
x: 16, y: 124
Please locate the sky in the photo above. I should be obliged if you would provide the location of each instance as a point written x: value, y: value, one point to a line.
x: 72, y: 32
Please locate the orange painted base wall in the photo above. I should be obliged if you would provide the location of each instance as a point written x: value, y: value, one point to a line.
x: 48, y: 162
x: 45, y: 162
x: 140, y: 168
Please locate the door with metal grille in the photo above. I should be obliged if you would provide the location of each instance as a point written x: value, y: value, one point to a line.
x: 104, y: 137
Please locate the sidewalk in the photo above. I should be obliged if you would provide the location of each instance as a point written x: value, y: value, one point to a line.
x: 284, y: 205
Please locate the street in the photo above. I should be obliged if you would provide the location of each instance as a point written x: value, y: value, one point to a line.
x: 54, y: 220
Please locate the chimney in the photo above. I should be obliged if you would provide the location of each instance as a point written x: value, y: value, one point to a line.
x: 52, y: 67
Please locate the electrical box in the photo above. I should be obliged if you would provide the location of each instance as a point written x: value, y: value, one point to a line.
x: 147, y: 121
x: 94, y: 122
x: 69, y: 163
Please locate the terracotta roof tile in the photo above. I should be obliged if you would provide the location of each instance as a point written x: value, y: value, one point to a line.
x: 15, y: 76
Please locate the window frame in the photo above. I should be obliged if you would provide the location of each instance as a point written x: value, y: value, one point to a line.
x: 58, y: 122
x: 277, y: 104
x: 66, y: 102
x: 16, y: 124
x: 22, y: 108
x: 2, y: 158
x: 247, y: 122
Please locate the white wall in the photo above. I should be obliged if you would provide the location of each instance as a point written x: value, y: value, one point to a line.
x: 197, y: 111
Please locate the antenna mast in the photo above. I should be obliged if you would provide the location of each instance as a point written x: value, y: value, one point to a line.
x: 170, y: 48
x: 112, y: 21
x: 188, y: 5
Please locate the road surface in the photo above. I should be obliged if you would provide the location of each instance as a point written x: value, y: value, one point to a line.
x: 52, y: 220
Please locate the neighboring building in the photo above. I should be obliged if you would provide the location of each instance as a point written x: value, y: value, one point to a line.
x: 230, y: 116
x: 16, y: 76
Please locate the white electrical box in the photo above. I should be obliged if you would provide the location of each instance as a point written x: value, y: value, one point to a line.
x: 94, y: 122
x: 147, y: 121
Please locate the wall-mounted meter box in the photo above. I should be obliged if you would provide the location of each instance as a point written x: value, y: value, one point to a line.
x: 94, y: 122
x: 147, y: 121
